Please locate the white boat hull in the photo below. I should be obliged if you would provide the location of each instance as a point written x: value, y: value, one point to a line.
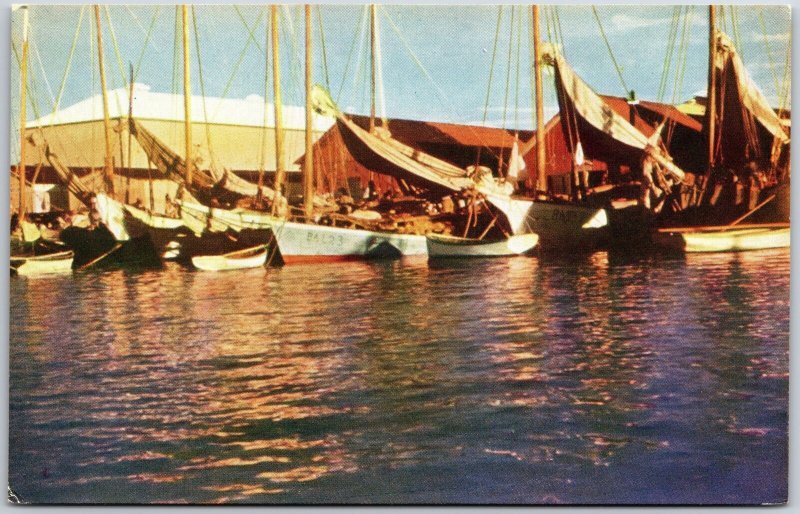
x: 299, y: 242
x: 449, y: 246
x: 724, y: 240
x: 302, y: 242
x: 244, y: 259
x: 558, y: 225
x: 43, y: 265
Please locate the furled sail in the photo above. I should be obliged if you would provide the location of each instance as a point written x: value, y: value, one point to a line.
x: 80, y: 187
x: 380, y: 152
x: 168, y: 162
x: 576, y: 96
x: 741, y: 110
x: 165, y: 159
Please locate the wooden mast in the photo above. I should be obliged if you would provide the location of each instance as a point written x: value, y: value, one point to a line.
x: 280, y: 172
x: 711, y: 96
x: 22, y: 113
x: 372, y: 67
x: 187, y: 98
x: 308, y: 163
x: 130, y: 135
x: 541, y: 178
x: 108, y: 165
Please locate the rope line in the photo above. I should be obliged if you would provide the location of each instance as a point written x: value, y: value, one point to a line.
x: 610, y: 52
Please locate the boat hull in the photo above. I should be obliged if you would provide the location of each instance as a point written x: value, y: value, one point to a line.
x: 724, y: 240
x: 246, y: 259
x: 306, y: 242
x: 99, y: 247
x: 303, y: 242
x: 457, y: 247
x: 57, y: 263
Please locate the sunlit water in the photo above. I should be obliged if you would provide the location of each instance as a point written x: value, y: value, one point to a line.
x: 521, y: 380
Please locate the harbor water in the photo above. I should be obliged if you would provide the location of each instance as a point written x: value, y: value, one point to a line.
x: 607, y: 379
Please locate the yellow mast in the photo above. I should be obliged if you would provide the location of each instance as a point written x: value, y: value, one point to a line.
x: 108, y: 165
x: 308, y: 164
x: 372, y: 67
x: 711, y: 104
x: 280, y: 172
x: 541, y: 178
x: 187, y: 98
x: 22, y: 113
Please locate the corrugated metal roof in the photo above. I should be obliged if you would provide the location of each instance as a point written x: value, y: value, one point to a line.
x: 620, y: 105
x: 416, y: 132
x: 151, y: 105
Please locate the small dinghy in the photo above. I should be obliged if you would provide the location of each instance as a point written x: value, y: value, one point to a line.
x: 734, y: 238
x: 52, y: 263
x: 241, y: 259
x: 440, y: 245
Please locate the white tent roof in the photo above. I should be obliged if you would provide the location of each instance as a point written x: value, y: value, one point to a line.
x: 165, y: 106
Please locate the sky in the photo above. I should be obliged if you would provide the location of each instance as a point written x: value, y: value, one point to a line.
x: 436, y: 60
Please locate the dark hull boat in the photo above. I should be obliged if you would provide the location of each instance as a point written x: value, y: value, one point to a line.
x: 99, y: 247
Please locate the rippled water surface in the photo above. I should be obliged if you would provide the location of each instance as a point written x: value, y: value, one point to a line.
x: 522, y: 380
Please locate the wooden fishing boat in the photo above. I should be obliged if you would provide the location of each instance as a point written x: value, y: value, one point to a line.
x: 445, y: 246
x: 52, y: 263
x: 242, y: 259
x: 725, y: 238
x: 308, y: 242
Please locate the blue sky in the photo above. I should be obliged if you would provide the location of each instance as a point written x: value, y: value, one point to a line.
x: 453, y: 45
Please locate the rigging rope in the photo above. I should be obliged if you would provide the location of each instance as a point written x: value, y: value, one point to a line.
x: 677, y: 85
x: 491, y: 73
x: 610, y: 52
x: 557, y: 26
x: 324, y: 52
x: 769, y: 50
x: 734, y: 26
x: 211, y: 154
x: 508, y: 82
x: 251, y: 36
x: 673, y: 32
x: 146, y: 41
x: 118, y: 55
x: 239, y: 59
x: 516, y: 80
x: 443, y: 96
x: 350, y: 53
x: 141, y: 27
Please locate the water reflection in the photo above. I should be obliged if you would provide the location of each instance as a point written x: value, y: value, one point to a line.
x: 527, y: 380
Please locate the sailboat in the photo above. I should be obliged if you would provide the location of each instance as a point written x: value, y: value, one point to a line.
x: 31, y: 253
x: 559, y: 224
x: 304, y: 237
x: 743, y: 132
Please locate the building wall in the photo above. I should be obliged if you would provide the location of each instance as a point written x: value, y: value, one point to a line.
x: 82, y: 145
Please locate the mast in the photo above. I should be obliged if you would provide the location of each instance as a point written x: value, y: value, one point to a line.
x: 280, y: 172
x: 372, y: 67
x: 541, y: 178
x: 308, y: 164
x: 187, y: 99
x: 108, y: 164
x: 711, y: 96
x: 130, y: 135
x: 22, y: 114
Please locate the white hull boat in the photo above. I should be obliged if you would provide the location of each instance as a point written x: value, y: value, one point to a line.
x: 440, y: 246
x: 242, y: 259
x: 725, y: 239
x: 305, y: 242
x: 54, y: 263
x: 309, y: 242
